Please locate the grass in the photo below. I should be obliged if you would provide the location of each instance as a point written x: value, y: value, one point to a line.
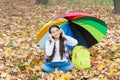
x: 21, y: 66
x: 2, y: 1
x: 106, y: 4
x: 73, y: 2
x: 34, y: 77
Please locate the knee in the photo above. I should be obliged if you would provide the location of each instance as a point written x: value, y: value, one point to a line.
x: 47, y: 68
x: 71, y: 65
x: 43, y: 66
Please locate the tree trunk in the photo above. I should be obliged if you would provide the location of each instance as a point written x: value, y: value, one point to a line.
x: 41, y: 2
x: 116, y: 6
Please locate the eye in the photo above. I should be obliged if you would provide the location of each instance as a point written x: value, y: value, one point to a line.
x: 53, y: 31
x: 57, y: 30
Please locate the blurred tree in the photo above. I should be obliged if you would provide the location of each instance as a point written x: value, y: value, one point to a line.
x: 116, y: 6
x: 41, y: 2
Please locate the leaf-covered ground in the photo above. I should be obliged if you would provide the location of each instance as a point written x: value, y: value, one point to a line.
x: 21, y: 58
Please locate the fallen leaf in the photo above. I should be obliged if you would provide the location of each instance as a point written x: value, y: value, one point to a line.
x: 24, y: 32
x: 101, y: 67
x: 66, y: 76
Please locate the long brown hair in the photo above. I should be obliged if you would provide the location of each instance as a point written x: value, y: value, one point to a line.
x: 61, y: 48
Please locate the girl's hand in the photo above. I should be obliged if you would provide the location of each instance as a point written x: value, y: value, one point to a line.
x: 50, y: 36
x: 63, y: 34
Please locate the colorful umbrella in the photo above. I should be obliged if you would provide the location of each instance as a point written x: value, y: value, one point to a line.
x: 87, y: 29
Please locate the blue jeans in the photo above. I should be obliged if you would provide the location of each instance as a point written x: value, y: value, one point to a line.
x: 63, y: 66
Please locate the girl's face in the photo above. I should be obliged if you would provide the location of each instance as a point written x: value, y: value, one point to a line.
x: 55, y: 32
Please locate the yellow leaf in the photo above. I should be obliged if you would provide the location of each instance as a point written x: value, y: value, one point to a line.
x: 113, y: 70
x: 40, y: 63
x: 4, y: 74
x: 37, y: 68
x: 91, y: 74
x: 50, y: 76
x: 26, y: 63
x: 101, y: 67
x: 24, y: 32
x: 8, y: 64
x: 26, y: 45
x: 66, y: 76
x: 9, y: 52
x: 8, y: 77
x: 28, y: 67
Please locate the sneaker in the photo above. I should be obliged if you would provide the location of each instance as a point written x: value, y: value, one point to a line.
x: 44, y: 74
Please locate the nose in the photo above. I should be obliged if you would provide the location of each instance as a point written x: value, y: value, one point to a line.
x: 56, y: 33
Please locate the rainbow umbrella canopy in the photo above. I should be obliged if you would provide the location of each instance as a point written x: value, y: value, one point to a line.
x: 87, y: 29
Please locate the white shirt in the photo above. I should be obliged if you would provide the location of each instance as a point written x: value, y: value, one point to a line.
x: 49, y: 48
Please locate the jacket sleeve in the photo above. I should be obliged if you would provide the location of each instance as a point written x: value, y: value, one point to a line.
x: 71, y: 41
x: 49, y: 48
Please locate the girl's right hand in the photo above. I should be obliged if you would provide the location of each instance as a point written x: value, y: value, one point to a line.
x: 50, y: 36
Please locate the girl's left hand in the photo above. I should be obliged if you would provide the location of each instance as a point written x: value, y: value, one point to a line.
x: 63, y: 34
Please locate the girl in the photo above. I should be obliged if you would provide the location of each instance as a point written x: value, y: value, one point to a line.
x: 57, y: 55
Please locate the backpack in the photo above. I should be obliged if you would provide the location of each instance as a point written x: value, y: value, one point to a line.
x: 81, y: 57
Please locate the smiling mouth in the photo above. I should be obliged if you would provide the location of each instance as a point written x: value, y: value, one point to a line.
x: 56, y: 36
